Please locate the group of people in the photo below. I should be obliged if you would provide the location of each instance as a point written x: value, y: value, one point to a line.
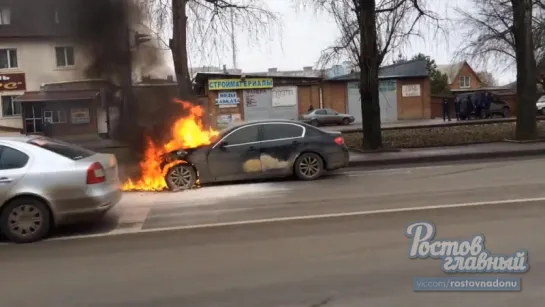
x: 478, y: 104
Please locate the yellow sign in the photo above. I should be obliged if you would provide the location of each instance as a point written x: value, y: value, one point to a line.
x: 238, y: 84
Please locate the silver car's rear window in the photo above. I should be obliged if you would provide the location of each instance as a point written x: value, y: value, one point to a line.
x: 67, y: 150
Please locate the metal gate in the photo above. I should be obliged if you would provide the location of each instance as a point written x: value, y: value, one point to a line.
x: 387, y: 100
x: 354, y: 101
x: 258, y: 105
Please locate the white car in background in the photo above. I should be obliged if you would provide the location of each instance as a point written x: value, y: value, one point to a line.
x: 540, y: 104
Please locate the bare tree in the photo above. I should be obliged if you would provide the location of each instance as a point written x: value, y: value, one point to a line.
x: 488, y: 30
x: 508, y: 33
x: 369, y: 31
x: 205, y: 26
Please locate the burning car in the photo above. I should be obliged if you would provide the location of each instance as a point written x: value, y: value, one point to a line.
x: 257, y: 150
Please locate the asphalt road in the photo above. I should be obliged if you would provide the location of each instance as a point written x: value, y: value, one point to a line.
x: 358, y: 260
x: 354, y: 261
x: 352, y: 190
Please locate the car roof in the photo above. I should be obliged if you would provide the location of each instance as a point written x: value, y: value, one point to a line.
x: 263, y: 121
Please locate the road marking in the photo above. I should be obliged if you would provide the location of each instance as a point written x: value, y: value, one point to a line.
x: 299, y: 218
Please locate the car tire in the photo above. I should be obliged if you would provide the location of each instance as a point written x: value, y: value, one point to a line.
x: 505, y: 112
x: 315, y: 123
x: 181, y: 177
x: 346, y: 121
x: 37, y: 225
x: 309, y: 166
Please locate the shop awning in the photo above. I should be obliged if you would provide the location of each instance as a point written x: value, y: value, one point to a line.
x: 57, y: 96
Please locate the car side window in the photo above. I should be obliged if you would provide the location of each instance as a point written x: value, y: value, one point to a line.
x: 12, y: 158
x: 320, y: 112
x: 281, y: 131
x: 331, y: 112
x: 243, y: 135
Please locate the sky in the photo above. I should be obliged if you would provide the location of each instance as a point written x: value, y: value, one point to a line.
x: 305, y: 33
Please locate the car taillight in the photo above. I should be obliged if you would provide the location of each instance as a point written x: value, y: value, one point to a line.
x: 339, y: 140
x: 95, y: 173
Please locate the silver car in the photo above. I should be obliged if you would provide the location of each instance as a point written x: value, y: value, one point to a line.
x: 45, y: 183
x: 319, y: 117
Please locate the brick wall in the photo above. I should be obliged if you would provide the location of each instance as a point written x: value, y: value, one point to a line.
x: 415, y: 107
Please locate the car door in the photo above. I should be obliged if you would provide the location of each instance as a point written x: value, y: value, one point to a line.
x: 280, y: 144
x: 321, y: 116
x: 236, y: 156
x: 12, y: 170
x: 333, y: 117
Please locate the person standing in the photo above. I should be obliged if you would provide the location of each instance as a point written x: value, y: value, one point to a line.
x: 487, y: 104
x: 446, y: 109
x: 311, y: 108
x: 457, y: 107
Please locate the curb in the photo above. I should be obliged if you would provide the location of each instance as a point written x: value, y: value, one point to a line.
x: 448, y: 158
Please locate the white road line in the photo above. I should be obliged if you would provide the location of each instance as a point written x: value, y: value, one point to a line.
x: 302, y: 218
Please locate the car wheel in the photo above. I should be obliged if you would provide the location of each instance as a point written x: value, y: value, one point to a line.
x: 181, y: 177
x: 315, y: 123
x: 346, y: 121
x: 25, y: 220
x: 505, y: 112
x: 309, y: 166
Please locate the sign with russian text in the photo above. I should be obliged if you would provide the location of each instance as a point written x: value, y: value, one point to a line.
x: 239, y: 84
x: 227, y: 100
x: 284, y: 96
x: 79, y: 116
x: 12, y: 82
x: 410, y: 90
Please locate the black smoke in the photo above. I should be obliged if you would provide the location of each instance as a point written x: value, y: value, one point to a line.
x: 105, y: 29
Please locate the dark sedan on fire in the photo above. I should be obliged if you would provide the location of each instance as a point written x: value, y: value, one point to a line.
x: 257, y: 150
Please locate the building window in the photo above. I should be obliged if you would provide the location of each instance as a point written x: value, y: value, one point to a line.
x: 55, y: 117
x: 8, y: 58
x: 5, y: 16
x: 465, y: 81
x: 10, y: 107
x: 65, y: 56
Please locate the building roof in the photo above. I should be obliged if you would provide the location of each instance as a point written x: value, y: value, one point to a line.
x: 451, y: 70
x: 409, y: 69
x: 57, y: 96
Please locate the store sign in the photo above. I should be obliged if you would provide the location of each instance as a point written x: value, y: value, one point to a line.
x: 79, y: 116
x: 239, y: 84
x: 410, y: 90
x: 284, y: 96
x: 12, y: 82
x: 227, y: 100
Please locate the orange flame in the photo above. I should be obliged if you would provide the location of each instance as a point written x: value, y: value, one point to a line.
x: 187, y: 132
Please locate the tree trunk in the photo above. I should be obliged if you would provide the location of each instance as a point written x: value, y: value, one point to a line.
x: 370, y: 108
x: 526, y: 70
x: 178, y: 46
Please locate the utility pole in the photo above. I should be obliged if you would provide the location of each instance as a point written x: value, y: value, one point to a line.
x: 233, y: 39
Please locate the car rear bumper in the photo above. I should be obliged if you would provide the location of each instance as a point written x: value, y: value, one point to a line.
x: 90, y: 206
x: 338, y: 159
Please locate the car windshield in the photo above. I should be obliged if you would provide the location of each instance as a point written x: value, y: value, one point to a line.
x: 67, y: 150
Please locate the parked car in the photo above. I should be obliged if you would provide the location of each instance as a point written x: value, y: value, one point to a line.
x: 319, y: 117
x: 45, y: 183
x: 257, y: 150
x: 498, y: 107
x: 540, y: 105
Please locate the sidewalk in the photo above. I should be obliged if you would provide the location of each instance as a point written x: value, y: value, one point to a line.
x: 454, y: 153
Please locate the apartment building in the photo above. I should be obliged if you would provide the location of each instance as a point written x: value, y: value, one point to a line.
x: 33, y: 52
